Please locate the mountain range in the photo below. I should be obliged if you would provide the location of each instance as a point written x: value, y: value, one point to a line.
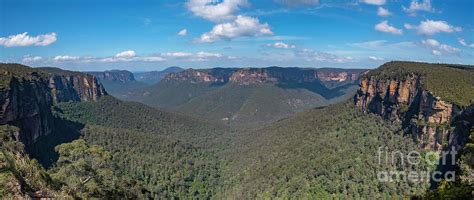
x: 315, y: 134
x: 248, y: 95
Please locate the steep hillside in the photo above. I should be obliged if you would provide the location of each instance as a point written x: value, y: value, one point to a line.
x: 325, y: 153
x: 20, y: 177
x: 435, y: 105
x: 429, y: 99
x: 246, y: 104
x: 27, y: 94
x: 119, y: 83
x: 138, y: 136
x: 96, y: 146
x: 153, y: 77
x: 114, y: 113
x: 251, y: 95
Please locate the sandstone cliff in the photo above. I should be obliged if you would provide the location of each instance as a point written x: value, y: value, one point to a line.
x: 257, y: 76
x: 432, y: 121
x: 27, y: 94
x: 325, y: 75
x: 251, y: 77
x: 194, y: 76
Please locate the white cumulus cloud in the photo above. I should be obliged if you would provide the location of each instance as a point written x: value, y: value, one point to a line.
x: 177, y: 54
x: 65, y: 58
x: 387, y: 28
x: 199, y: 56
x: 439, y: 49
x: 242, y: 26
x: 424, y: 5
x: 23, y: 39
x: 281, y: 45
x: 203, y: 54
x: 29, y: 58
x: 151, y: 59
x: 374, y: 2
x: 382, y: 12
x: 216, y: 11
x: 375, y: 58
x: 464, y: 43
x: 298, y: 3
x: 126, y: 54
x: 316, y: 56
x: 183, y: 32
x: 431, y: 27
x: 369, y: 44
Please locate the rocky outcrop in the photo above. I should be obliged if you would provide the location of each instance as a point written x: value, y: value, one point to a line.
x: 387, y: 97
x: 75, y: 88
x: 251, y: 77
x: 194, y: 76
x: 257, y: 76
x: 26, y: 99
x: 337, y: 76
x: 427, y: 118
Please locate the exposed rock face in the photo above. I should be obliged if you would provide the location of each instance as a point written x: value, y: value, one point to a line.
x: 251, y: 77
x: 75, y: 88
x: 119, y: 76
x: 384, y: 97
x: 334, y: 76
x: 194, y: 76
x: 426, y: 117
x: 256, y: 76
x: 26, y: 102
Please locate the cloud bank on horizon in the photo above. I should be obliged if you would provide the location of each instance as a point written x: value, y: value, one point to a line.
x: 146, y: 35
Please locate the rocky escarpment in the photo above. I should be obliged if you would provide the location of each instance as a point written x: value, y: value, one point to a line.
x: 26, y: 97
x: 251, y: 77
x: 325, y: 75
x: 257, y: 76
x: 65, y: 88
x: 432, y: 121
x: 194, y: 76
x: 118, y: 76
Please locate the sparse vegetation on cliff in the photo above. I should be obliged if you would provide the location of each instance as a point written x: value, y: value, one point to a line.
x: 453, y: 83
x: 20, y: 176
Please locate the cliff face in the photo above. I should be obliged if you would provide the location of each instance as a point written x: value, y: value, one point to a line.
x: 337, y: 76
x: 427, y: 118
x: 251, y: 77
x: 26, y: 99
x: 257, y: 76
x: 75, y: 88
x: 194, y: 76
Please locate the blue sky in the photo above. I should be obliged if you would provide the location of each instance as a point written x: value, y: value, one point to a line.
x: 152, y: 34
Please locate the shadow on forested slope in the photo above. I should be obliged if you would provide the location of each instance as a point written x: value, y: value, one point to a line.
x: 64, y: 131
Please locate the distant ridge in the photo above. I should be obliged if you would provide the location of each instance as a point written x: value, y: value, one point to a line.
x: 153, y: 77
x: 249, y: 95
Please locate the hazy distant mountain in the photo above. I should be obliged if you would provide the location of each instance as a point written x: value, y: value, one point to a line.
x: 152, y: 77
x: 249, y: 95
x: 117, y: 76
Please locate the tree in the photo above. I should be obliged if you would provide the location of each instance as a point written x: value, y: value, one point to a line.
x: 84, y: 170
